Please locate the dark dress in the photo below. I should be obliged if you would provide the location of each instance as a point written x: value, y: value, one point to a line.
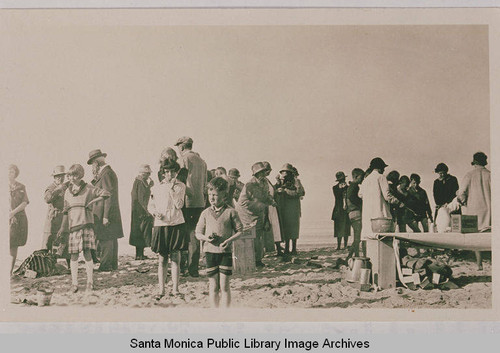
x: 19, y: 223
x: 288, y: 209
x: 340, y: 216
x: 141, y: 225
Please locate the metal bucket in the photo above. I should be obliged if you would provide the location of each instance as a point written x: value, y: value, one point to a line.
x: 383, y: 225
x: 355, y: 273
x: 364, y: 277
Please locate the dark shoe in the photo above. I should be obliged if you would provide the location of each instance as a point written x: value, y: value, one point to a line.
x: 260, y: 264
x: 294, y: 252
x: 194, y: 274
x: 104, y: 270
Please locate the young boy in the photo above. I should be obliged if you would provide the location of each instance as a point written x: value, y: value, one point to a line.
x: 218, y: 226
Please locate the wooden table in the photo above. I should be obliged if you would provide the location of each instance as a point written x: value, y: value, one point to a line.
x: 379, y: 249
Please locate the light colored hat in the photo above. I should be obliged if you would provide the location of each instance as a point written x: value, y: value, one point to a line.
x: 144, y: 168
x: 58, y: 170
x: 95, y: 154
x: 258, y: 167
x: 287, y: 167
x: 184, y: 140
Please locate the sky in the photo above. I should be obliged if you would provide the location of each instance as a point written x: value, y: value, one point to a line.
x: 324, y: 98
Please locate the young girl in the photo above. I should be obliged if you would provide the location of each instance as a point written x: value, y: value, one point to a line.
x: 167, y: 200
x: 219, y: 225
x: 79, y: 220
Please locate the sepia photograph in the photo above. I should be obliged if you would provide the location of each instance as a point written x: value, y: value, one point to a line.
x: 164, y: 160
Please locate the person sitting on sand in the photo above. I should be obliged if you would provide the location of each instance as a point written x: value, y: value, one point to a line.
x: 169, y: 238
x: 219, y: 225
x: 78, y: 219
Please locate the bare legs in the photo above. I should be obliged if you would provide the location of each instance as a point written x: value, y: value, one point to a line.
x: 479, y: 260
x: 163, y: 272
x: 220, y: 282
x: 13, y: 255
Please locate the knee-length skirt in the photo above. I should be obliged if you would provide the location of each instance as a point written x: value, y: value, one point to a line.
x: 167, y: 239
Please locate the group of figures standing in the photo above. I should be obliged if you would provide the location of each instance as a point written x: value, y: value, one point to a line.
x: 189, y: 207
x: 371, y: 195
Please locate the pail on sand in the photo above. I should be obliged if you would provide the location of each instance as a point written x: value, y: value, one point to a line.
x: 44, y: 293
x: 354, y: 274
x: 364, y: 276
x: 383, y: 225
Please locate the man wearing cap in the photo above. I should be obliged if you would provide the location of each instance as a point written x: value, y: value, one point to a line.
x: 340, y: 216
x: 195, y: 196
x: 107, y: 216
x: 54, y: 197
x: 445, y: 187
x: 141, y: 221
x: 475, y: 196
x: 251, y: 206
x: 234, y: 175
x: 376, y: 197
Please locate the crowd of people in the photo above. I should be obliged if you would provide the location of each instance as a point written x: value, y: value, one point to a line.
x: 189, y: 209
x: 372, y: 195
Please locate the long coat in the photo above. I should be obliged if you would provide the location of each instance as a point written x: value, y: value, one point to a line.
x: 108, y: 208
x: 340, y: 217
x: 288, y: 210
x: 141, y: 224
x: 475, y: 193
x: 54, y: 197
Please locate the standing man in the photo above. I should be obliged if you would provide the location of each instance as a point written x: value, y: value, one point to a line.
x: 445, y: 187
x: 252, y: 205
x: 107, y: 217
x: 54, y: 197
x: 340, y: 216
x: 234, y: 175
x: 195, y: 197
x: 475, y: 196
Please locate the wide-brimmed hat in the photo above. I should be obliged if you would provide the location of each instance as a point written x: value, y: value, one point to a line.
x: 258, y: 167
x: 340, y: 176
x: 144, y: 168
x: 95, y: 154
x: 441, y: 167
x: 58, y: 170
x: 184, y: 140
x: 479, y: 158
x: 287, y: 167
x: 377, y: 163
x: 233, y: 172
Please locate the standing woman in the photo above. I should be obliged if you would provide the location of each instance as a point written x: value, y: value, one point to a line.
x: 18, y: 221
x: 288, y: 199
x: 340, y: 216
x: 141, y: 220
x: 169, y: 225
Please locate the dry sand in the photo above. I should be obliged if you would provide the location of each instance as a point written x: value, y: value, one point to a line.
x: 278, y: 285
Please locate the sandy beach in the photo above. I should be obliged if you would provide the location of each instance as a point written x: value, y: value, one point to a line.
x: 311, y: 280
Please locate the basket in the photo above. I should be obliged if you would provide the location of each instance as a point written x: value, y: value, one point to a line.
x: 383, y: 225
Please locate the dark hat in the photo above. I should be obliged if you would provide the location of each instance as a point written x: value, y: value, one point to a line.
x: 58, y: 170
x: 287, y: 167
x: 479, y: 158
x: 170, y: 164
x: 377, y: 163
x: 258, y: 167
x: 441, y: 167
x: 295, y: 171
x: 267, y: 165
x: 95, y: 154
x: 340, y: 176
x: 184, y: 140
x: 233, y: 172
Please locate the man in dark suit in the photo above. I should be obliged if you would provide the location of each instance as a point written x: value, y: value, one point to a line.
x: 107, y: 217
